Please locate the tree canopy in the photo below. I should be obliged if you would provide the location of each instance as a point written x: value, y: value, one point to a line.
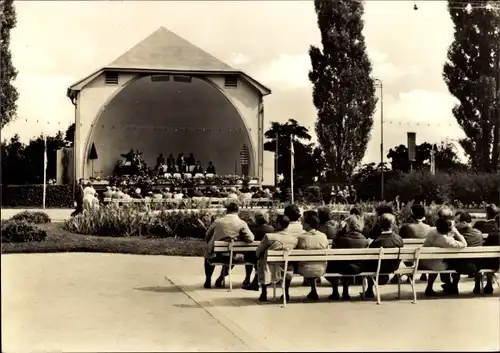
x: 8, y: 93
x: 472, y: 73
x: 343, y: 91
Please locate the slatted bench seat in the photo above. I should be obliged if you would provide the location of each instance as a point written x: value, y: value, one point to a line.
x: 413, y: 255
x: 232, y: 248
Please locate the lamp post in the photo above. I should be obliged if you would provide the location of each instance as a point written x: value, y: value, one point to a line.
x: 380, y: 84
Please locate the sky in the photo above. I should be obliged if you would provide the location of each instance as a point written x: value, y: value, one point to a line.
x: 56, y: 43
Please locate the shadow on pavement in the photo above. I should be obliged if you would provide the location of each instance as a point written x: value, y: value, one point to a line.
x: 160, y: 289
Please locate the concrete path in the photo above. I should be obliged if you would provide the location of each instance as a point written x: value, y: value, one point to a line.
x: 110, y: 302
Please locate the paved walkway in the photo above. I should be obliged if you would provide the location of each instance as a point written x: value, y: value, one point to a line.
x: 109, y: 302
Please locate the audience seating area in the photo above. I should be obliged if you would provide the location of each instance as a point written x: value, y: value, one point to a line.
x: 214, y: 202
x: 412, y: 252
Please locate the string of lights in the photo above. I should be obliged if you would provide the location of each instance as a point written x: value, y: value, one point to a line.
x: 448, y: 123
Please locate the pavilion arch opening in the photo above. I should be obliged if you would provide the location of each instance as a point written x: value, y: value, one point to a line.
x: 168, y: 116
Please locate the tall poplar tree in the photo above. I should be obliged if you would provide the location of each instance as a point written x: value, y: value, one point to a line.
x: 344, y: 92
x: 8, y: 93
x: 472, y: 73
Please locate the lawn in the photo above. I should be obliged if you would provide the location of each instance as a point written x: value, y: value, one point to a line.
x: 60, y: 240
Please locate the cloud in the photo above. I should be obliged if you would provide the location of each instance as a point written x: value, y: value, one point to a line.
x: 386, y: 70
x: 239, y: 58
x: 287, y: 71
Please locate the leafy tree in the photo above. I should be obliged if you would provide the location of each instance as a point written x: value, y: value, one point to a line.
x: 472, y: 74
x: 344, y: 92
x: 69, y: 136
x: 308, y: 160
x: 446, y: 158
x: 8, y: 93
x: 12, y: 160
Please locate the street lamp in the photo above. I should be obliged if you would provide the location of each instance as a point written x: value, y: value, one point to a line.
x: 379, y: 84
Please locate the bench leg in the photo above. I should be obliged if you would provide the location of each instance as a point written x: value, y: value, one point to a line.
x: 481, y: 283
x: 399, y: 286
x: 412, y: 283
x: 363, y: 284
x: 375, y: 280
x: 274, y: 291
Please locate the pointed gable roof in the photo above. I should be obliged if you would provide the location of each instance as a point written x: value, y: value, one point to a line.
x: 164, y: 49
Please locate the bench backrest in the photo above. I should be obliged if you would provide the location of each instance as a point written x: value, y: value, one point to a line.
x: 237, y: 246
x: 404, y: 254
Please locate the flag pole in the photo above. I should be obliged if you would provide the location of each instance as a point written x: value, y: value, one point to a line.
x: 44, y: 170
x: 292, y: 165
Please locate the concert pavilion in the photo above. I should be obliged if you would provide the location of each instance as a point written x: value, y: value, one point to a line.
x: 166, y: 95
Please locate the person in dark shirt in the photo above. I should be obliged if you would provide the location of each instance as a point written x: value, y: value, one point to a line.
x: 190, y: 161
x: 386, y: 239
x: 417, y: 229
x: 259, y: 230
x: 487, y: 226
x: 352, y: 238
x: 198, y: 169
x: 210, y: 168
x: 171, y: 160
x: 381, y: 210
x: 473, y: 237
x: 492, y: 263
x: 326, y: 225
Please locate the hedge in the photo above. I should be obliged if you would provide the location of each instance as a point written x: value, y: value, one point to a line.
x: 459, y: 189
x: 32, y: 196
x: 20, y: 231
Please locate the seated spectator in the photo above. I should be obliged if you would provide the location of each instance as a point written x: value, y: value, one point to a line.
x: 326, y: 224
x: 137, y: 194
x: 442, y: 236
x: 488, y: 226
x: 210, y: 168
x: 312, y: 239
x: 473, y: 237
x: 381, y: 210
x: 197, y: 193
x: 178, y: 195
x: 108, y: 193
x: 492, y: 263
x: 198, y: 169
x: 292, y: 212
x: 352, y: 238
x: 272, y: 273
x: 167, y: 194
x: 417, y: 229
x: 259, y: 230
x: 226, y: 228
x: 387, y: 239
x: 233, y: 194
x: 355, y: 211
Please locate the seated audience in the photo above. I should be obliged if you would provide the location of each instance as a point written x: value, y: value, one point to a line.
x: 355, y: 211
x: 210, y: 168
x: 197, y: 193
x: 351, y: 238
x: 442, y: 236
x: 226, y: 228
x: 259, y: 230
x: 272, y: 273
x: 233, y: 194
x: 178, y: 195
x: 487, y: 226
x: 473, y: 237
x: 167, y: 194
x: 417, y: 229
x: 312, y: 239
x: 157, y: 195
x: 386, y: 239
x: 326, y: 224
x: 492, y: 263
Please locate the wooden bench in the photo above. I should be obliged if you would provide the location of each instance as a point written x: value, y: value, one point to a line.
x: 411, y: 254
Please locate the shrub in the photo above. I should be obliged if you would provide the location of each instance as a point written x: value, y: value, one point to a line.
x: 37, y: 217
x: 20, y: 231
x: 466, y: 189
x: 32, y: 196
